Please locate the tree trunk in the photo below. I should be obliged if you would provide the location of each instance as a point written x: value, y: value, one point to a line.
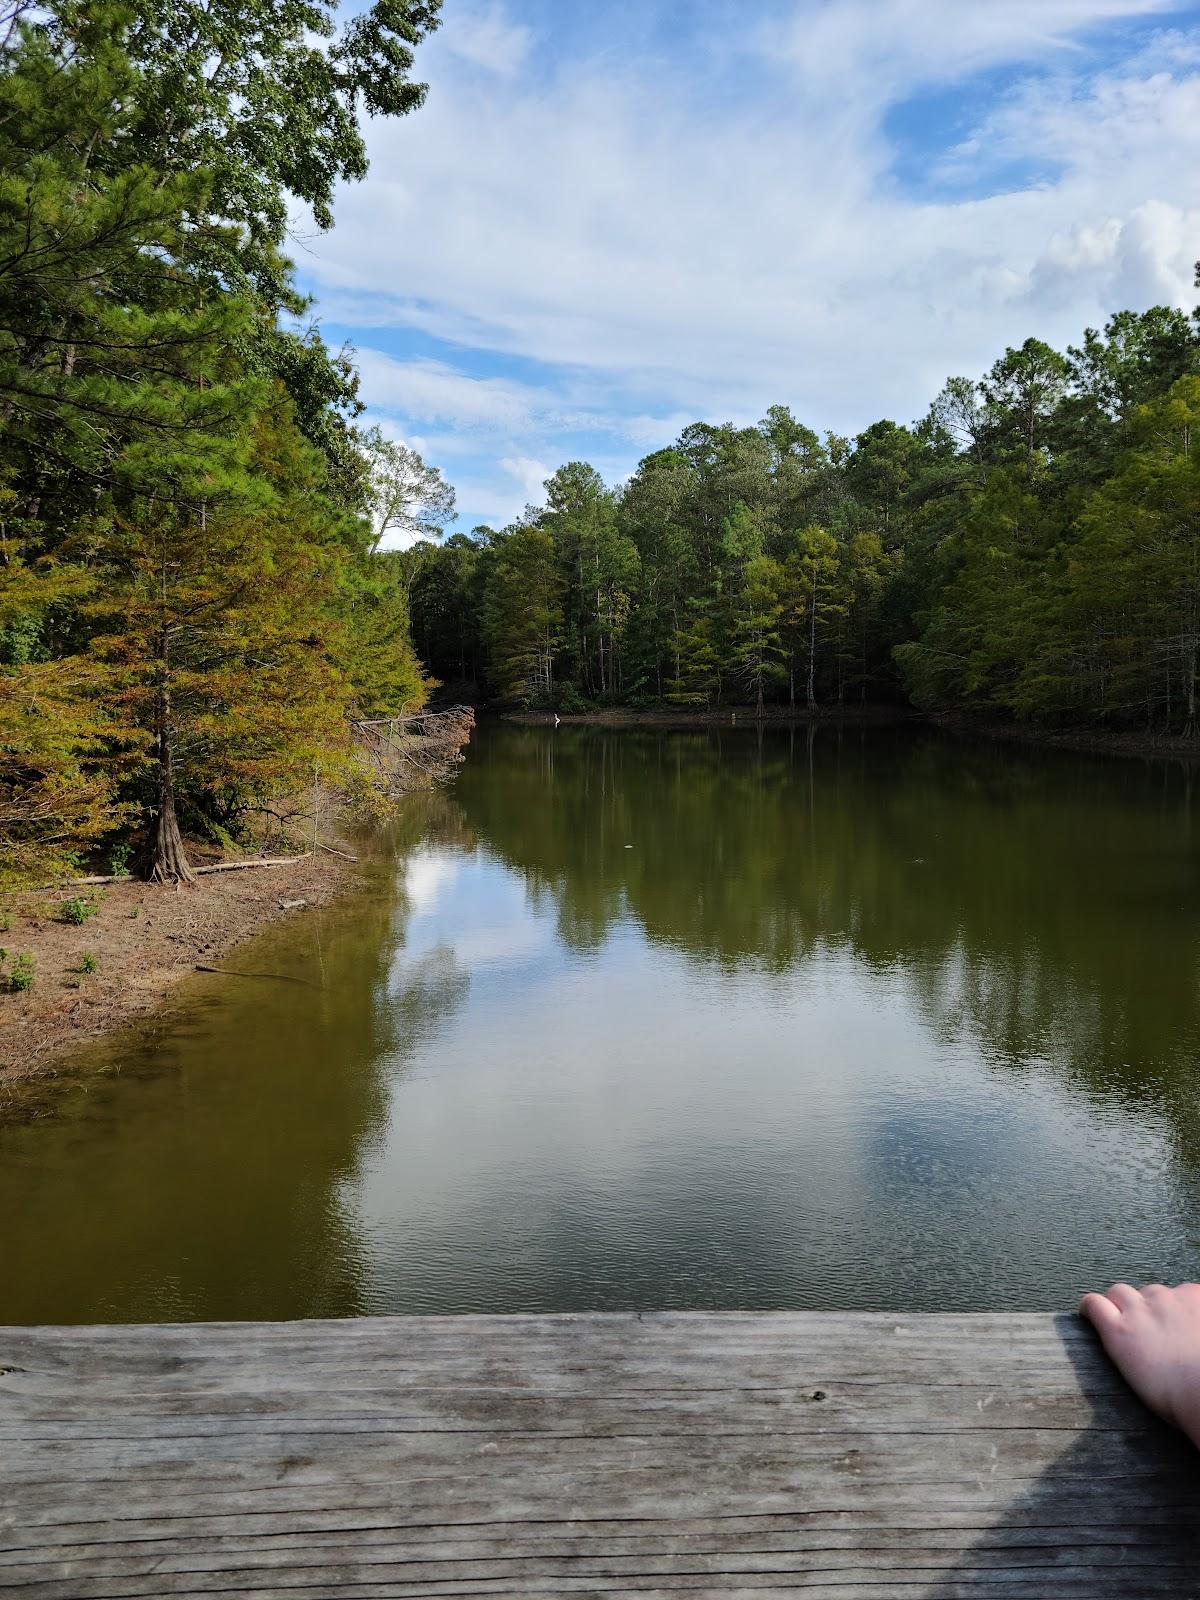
x: 166, y: 859
x: 812, y: 651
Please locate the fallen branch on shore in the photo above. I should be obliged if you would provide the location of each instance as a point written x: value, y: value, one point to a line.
x: 220, y: 866
x: 262, y: 861
x: 415, y: 751
x: 342, y: 853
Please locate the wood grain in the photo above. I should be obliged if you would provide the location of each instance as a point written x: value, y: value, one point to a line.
x: 714, y: 1455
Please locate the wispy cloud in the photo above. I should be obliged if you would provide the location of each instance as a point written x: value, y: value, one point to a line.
x: 487, y: 37
x: 653, y: 245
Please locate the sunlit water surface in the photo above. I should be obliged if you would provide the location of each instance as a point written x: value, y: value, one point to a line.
x: 661, y: 1019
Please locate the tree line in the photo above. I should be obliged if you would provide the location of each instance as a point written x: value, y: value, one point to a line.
x: 1029, y: 548
x: 194, y: 606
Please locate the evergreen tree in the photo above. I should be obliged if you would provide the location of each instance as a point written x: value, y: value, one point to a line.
x: 191, y: 613
x: 757, y: 643
x: 216, y: 609
x: 523, y: 616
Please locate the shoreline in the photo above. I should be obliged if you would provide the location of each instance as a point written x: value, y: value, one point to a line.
x: 130, y: 943
x: 1083, y: 741
x: 726, y: 716
x: 145, y: 938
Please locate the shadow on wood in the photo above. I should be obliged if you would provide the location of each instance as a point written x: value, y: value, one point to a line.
x: 722, y: 1455
x: 1115, y: 1513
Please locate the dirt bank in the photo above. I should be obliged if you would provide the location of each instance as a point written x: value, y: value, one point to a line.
x: 129, y: 943
x: 142, y: 940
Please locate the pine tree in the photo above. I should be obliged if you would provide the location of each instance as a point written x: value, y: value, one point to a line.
x: 758, y: 648
x: 812, y: 565
x: 523, y: 616
x: 58, y: 742
x: 217, y: 618
x: 696, y: 680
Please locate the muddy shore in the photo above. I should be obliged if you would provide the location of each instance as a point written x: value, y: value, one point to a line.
x: 142, y: 940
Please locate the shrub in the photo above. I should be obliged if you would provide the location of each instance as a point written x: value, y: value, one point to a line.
x: 88, y: 962
x: 119, y: 858
x: 77, y: 911
x: 570, y: 700
x: 21, y: 974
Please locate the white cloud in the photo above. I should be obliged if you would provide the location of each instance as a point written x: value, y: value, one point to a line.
x: 892, y: 46
x: 440, y: 393
x: 530, y: 474
x: 487, y: 38
x: 436, y: 392
x: 670, y: 262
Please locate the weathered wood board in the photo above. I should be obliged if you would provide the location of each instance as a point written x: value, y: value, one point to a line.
x: 718, y: 1455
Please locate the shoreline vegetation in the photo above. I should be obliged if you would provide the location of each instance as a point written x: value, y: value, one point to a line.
x: 205, y: 644
x: 203, y: 613
x: 84, y: 957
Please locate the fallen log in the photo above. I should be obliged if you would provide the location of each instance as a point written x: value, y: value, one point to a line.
x: 263, y: 861
x: 220, y: 866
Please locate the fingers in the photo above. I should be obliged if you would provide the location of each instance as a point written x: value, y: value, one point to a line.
x: 1123, y: 1296
x: 1101, y: 1312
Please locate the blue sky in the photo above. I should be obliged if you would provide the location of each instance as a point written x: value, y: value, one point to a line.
x: 611, y: 220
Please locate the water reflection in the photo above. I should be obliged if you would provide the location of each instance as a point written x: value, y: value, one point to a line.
x: 203, y: 1172
x: 671, y: 1019
x: 1044, y: 904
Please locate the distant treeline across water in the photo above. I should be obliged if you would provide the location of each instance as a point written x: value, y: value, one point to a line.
x: 1031, y: 548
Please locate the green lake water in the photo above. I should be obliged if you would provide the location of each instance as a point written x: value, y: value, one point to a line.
x: 642, y: 1019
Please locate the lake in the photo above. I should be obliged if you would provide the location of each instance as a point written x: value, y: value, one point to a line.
x: 868, y: 1019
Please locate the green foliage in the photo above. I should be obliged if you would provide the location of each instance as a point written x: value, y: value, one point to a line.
x: 88, y: 963
x: 77, y: 910
x: 119, y: 857
x: 571, y: 701
x: 523, y: 621
x: 758, y: 649
x: 1030, y: 548
x: 192, y: 612
x: 19, y: 972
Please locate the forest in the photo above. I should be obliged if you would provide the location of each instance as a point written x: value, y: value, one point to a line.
x: 1030, y: 549
x: 196, y: 614
x: 200, y: 606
